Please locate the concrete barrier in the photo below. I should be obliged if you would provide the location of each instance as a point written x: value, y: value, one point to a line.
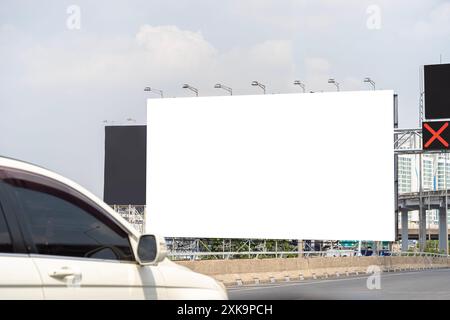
x: 278, y: 270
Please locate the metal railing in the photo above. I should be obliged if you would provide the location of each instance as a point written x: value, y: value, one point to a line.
x: 419, y: 254
x: 288, y: 254
x: 258, y: 254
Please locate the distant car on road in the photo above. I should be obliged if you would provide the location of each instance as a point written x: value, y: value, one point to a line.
x: 59, y: 241
x: 339, y: 253
x: 384, y: 252
x: 369, y: 252
x: 366, y: 252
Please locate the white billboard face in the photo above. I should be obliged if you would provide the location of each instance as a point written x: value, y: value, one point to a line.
x: 284, y: 166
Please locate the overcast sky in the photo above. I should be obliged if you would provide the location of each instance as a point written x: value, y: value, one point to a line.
x: 58, y: 82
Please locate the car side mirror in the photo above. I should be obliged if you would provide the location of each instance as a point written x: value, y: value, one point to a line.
x: 151, y: 249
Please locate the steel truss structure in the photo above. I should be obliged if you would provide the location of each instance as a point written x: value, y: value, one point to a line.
x: 408, y: 141
x: 135, y: 215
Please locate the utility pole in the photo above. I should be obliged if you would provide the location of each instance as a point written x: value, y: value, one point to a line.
x: 422, y: 213
x: 446, y: 202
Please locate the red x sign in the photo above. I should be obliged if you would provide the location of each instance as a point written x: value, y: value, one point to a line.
x: 436, y: 134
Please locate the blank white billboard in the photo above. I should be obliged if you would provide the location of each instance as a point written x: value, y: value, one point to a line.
x: 282, y: 166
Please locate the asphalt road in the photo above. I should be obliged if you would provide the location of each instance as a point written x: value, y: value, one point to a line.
x: 428, y: 284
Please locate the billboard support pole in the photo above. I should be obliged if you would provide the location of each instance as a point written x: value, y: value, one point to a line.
x: 422, y: 213
x: 443, y: 222
x: 396, y: 168
x: 446, y: 205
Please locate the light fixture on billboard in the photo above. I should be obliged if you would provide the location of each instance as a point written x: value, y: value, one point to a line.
x: 221, y: 86
x: 257, y: 84
x: 157, y: 91
x: 300, y: 84
x: 195, y: 90
x: 333, y: 81
x: 368, y: 80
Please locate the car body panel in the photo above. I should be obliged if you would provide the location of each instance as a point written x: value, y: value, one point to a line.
x: 38, y: 276
x: 19, y: 278
x: 98, y: 279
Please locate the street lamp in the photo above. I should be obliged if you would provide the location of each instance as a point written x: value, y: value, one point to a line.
x: 368, y: 80
x: 149, y: 89
x: 186, y: 86
x: 257, y: 84
x: 299, y: 83
x: 221, y: 86
x: 333, y: 81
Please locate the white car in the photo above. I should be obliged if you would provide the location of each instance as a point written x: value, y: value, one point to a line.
x: 59, y: 241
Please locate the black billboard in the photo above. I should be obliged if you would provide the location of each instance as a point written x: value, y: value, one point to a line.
x: 437, y: 91
x: 125, y: 165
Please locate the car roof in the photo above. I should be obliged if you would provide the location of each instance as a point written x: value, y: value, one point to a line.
x: 28, y: 167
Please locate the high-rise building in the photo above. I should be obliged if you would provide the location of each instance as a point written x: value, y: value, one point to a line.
x: 404, y: 174
x: 435, y: 176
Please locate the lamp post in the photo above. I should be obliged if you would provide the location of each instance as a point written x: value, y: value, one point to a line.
x: 221, y: 86
x: 368, y: 80
x: 157, y: 91
x: 333, y: 81
x: 195, y: 90
x: 257, y: 84
x: 300, y: 84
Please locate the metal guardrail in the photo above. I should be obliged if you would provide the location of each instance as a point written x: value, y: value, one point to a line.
x: 258, y: 254
x: 285, y: 254
x: 419, y: 254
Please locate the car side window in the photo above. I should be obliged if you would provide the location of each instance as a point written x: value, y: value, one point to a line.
x: 62, y: 224
x: 5, y: 238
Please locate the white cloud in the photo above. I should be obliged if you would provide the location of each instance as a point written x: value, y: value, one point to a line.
x: 174, y: 49
x: 165, y: 56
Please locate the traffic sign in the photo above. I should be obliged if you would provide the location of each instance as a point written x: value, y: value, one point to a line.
x: 435, y: 135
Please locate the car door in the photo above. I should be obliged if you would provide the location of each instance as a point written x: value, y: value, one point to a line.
x: 79, y: 250
x: 19, y: 277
